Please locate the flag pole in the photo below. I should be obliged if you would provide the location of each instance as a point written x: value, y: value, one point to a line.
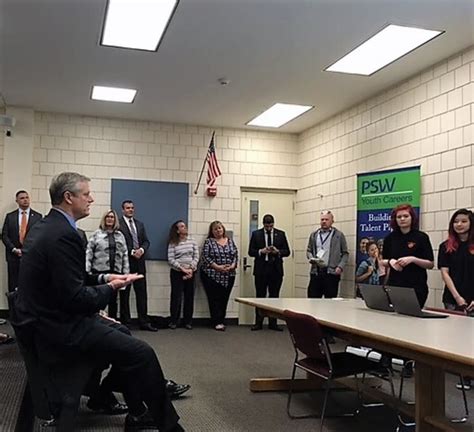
x: 203, y: 165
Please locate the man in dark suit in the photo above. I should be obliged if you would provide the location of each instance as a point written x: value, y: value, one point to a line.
x: 137, y: 245
x: 268, y: 246
x: 15, y: 228
x: 61, y: 301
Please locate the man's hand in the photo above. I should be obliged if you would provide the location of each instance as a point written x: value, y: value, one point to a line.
x: 17, y: 252
x: 264, y: 251
x: 274, y: 250
x: 338, y: 271
x: 137, y: 253
x: 104, y: 315
x: 470, y: 307
x: 120, y: 281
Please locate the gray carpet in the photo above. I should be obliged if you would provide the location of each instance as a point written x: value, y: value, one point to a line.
x: 219, y: 366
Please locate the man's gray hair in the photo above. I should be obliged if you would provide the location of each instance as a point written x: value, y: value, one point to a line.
x: 65, y: 182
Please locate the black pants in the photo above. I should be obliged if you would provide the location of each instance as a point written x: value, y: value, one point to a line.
x: 323, y: 284
x: 181, y: 288
x: 13, y: 268
x: 136, y: 367
x: 268, y: 281
x: 217, y: 297
x: 142, y: 302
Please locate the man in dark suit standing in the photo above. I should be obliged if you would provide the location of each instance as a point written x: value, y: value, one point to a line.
x: 137, y: 245
x: 61, y: 301
x: 268, y: 246
x: 15, y: 228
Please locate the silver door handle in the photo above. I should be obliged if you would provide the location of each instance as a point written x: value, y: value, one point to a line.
x: 245, y: 265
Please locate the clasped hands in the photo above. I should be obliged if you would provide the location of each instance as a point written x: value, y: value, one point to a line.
x: 400, y: 263
x: 224, y: 268
x: 269, y: 250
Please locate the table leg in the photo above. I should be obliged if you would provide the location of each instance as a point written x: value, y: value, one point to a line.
x: 429, y: 396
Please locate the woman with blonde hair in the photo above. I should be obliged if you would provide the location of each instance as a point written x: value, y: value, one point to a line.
x: 107, y: 253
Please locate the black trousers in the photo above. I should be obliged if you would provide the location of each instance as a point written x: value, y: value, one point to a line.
x: 13, y: 268
x: 180, y: 289
x: 323, y: 284
x: 217, y: 297
x: 135, y: 366
x: 142, y: 302
x: 267, y: 282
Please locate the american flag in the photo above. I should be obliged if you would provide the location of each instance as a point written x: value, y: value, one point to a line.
x: 213, y: 170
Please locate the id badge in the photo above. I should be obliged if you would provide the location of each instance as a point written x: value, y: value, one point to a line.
x: 320, y: 254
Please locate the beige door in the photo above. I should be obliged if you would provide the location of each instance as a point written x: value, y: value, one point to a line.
x: 255, y: 204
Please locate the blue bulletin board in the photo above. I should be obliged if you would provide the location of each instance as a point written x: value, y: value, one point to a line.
x: 157, y: 204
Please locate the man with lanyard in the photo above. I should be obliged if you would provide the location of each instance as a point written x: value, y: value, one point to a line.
x: 328, y: 254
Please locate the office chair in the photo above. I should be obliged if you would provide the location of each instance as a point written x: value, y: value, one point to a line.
x: 312, y: 355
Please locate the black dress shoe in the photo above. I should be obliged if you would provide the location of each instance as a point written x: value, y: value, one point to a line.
x: 275, y: 328
x: 175, y: 390
x: 133, y: 424
x: 256, y: 327
x: 148, y: 327
x: 109, y: 406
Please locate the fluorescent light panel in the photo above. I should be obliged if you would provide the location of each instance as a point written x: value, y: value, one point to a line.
x: 137, y: 24
x: 113, y: 94
x: 279, y: 114
x: 386, y: 46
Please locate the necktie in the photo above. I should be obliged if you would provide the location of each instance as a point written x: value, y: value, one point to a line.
x: 133, y: 231
x: 23, y: 224
x: 269, y: 238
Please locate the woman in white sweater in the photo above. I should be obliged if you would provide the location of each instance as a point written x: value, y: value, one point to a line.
x: 183, y: 257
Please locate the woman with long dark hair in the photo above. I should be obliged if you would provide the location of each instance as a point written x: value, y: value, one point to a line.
x: 408, y: 252
x: 219, y: 261
x: 456, y: 262
x: 183, y: 257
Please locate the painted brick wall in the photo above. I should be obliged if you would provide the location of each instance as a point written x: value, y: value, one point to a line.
x: 426, y: 120
x: 109, y: 148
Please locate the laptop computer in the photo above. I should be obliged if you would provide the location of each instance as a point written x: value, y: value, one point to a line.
x: 375, y: 297
x: 405, y: 302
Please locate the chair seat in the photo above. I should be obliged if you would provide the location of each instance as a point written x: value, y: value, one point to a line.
x: 343, y: 363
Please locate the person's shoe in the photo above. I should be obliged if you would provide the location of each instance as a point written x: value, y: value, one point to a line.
x: 175, y: 390
x: 3, y: 321
x: 220, y: 327
x: 148, y: 327
x: 109, y: 405
x: 133, y: 424
x: 172, y: 326
x: 6, y: 339
x: 275, y: 328
x: 177, y: 428
x: 466, y: 386
x: 188, y: 327
x: 256, y: 327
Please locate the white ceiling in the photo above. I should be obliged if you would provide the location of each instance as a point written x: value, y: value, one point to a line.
x: 271, y: 50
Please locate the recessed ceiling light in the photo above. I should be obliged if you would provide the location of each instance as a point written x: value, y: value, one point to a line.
x: 136, y: 24
x: 385, y: 47
x: 279, y: 114
x: 113, y: 94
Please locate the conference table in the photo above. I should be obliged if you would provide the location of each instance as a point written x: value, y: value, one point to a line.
x: 437, y: 346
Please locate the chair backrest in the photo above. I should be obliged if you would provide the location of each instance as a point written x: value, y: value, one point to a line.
x: 306, y: 334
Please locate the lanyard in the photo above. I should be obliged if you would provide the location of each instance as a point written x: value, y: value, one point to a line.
x: 325, y: 239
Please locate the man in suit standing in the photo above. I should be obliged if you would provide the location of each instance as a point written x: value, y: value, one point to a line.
x: 62, y: 301
x: 16, y: 226
x: 137, y: 245
x: 268, y: 246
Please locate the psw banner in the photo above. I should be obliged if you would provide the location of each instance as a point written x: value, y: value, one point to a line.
x: 377, y: 194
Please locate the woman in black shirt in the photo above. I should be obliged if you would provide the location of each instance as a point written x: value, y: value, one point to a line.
x: 408, y: 252
x: 456, y: 262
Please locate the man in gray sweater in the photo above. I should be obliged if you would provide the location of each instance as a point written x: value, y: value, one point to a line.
x: 328, y: 254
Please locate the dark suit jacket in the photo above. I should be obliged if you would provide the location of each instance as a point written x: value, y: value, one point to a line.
x: 136, y: 265
x: 11, y: 231
x: 257, y: 242
x: 54, y: 291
